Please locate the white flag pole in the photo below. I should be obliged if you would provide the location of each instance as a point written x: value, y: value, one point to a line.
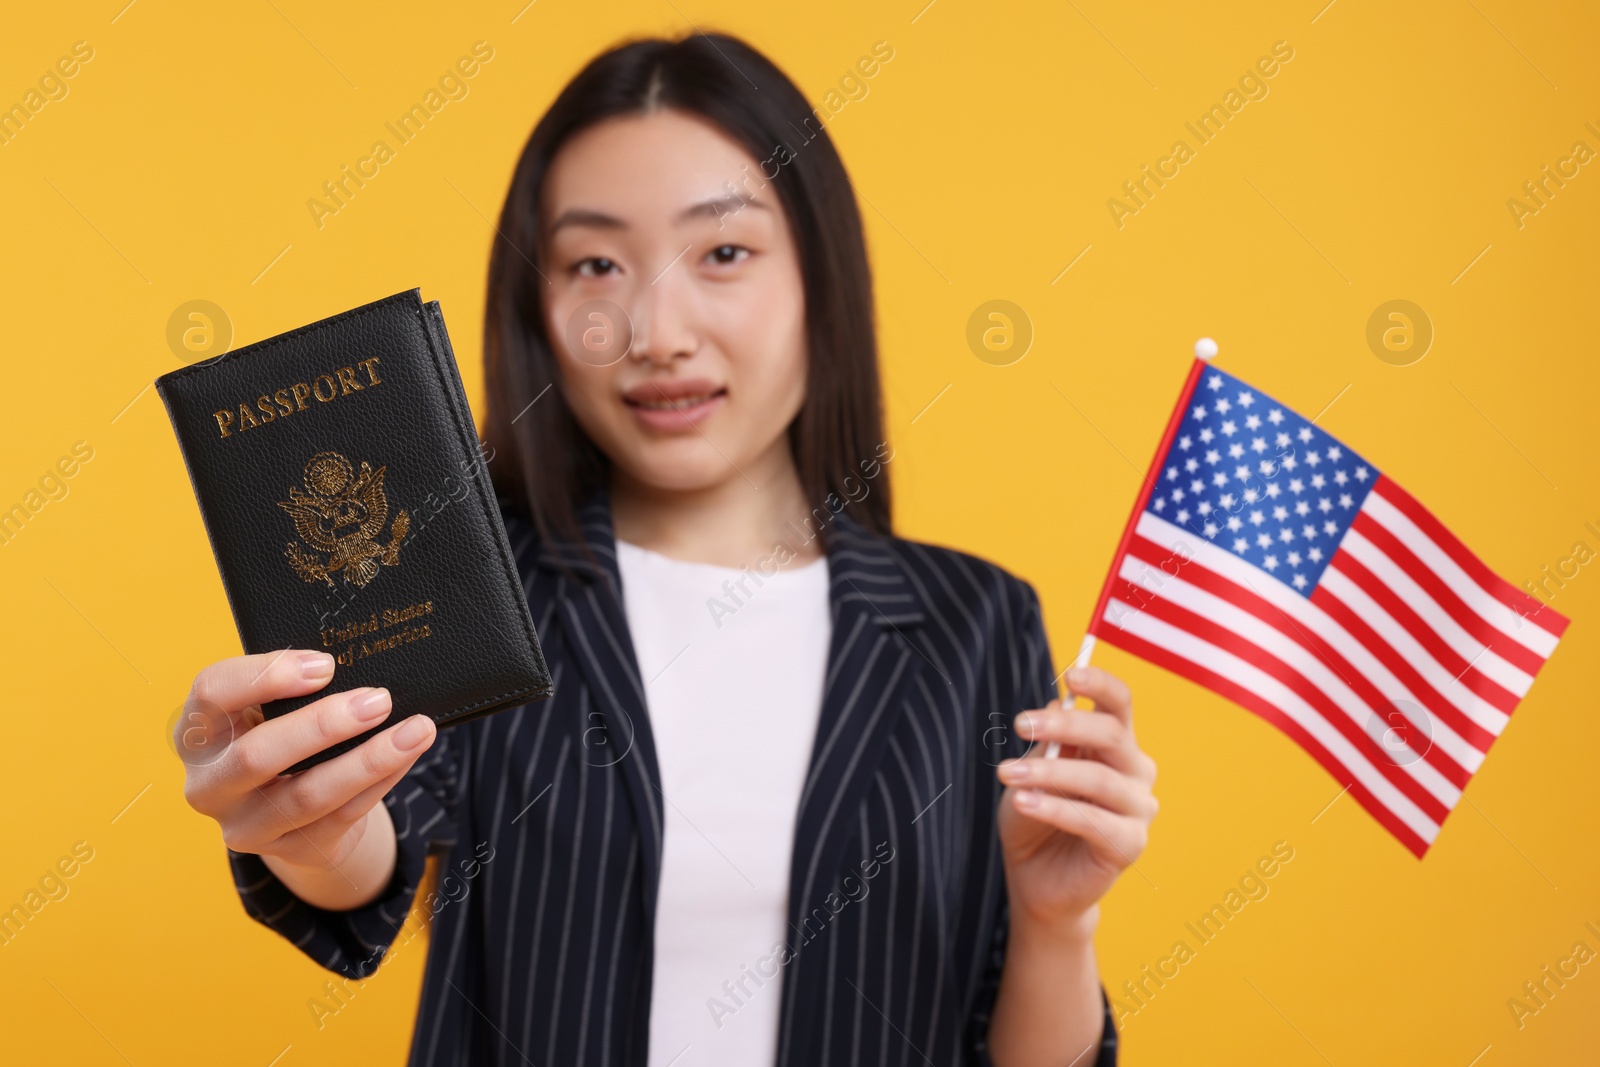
x: 1053, y: 749
x: 1205, y: 350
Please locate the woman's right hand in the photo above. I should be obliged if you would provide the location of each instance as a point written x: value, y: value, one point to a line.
x: 322, y: 830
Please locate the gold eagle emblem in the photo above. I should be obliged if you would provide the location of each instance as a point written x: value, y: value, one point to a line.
x: 339, y: 513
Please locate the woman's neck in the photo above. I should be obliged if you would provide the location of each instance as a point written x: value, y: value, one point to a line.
x: 737, y: 522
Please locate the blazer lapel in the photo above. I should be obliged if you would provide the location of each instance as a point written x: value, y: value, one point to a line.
x: 872, y: 658
x: 617, y: 725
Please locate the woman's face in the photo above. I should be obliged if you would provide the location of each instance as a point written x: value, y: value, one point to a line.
x: 662, y: 224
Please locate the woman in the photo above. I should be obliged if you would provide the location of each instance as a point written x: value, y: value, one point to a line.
x: 775, y: 811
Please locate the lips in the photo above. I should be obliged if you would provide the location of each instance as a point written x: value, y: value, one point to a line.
x: 678, y: 404
x: 674, y: 404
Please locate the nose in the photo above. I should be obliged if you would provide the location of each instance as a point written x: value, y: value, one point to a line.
x: 662, y: 319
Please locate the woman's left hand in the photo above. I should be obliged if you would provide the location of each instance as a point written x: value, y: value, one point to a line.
x: 1070, y: 825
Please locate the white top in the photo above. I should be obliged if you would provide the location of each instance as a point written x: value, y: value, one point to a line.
x: 733, y: 664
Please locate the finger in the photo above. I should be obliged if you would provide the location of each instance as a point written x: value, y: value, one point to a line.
x: 323, y: 844
x: 225, y: 699
x: 233, y: 684
x: 324, y: 841
x: 1085, y: 779
x: 1117, y: 839
x: 1108, y: 737
x: 203, y: 732
x: 357, y: 807
x: 261, y: 754
x: 322, y: 792
x: 1108, y: 692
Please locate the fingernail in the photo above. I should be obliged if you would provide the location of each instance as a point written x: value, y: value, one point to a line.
x: 411, y: 733
x: 315, y: 666
x: 1028, y: 798
x: 1077, y: 676
x: 1018, y: 770
x: 372, y: 704
x: 1025, y: 723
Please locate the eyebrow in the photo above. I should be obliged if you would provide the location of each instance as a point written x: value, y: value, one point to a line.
x: 713, y: 208
x: 720, y: 206
x: 578, y: 216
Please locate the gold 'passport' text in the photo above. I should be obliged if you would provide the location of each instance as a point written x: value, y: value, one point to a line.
x: 292, y: 398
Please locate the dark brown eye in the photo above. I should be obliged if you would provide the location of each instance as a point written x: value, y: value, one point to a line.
x: 596, y: 266
x: 725, y: 254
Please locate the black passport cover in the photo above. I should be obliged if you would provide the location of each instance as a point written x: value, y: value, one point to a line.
x: 348, y: 504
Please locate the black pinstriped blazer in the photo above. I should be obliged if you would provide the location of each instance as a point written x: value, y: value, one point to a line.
x: 550, y: 821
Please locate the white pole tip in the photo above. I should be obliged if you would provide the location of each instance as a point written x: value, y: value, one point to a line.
x: 1205, y: 349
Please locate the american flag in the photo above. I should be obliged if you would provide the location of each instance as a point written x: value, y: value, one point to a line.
x: 1274, y: 565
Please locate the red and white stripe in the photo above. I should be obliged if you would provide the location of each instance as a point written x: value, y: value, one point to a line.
x: 1397, y: 674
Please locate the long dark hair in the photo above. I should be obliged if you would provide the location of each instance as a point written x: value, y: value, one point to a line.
x: 543, y: 464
